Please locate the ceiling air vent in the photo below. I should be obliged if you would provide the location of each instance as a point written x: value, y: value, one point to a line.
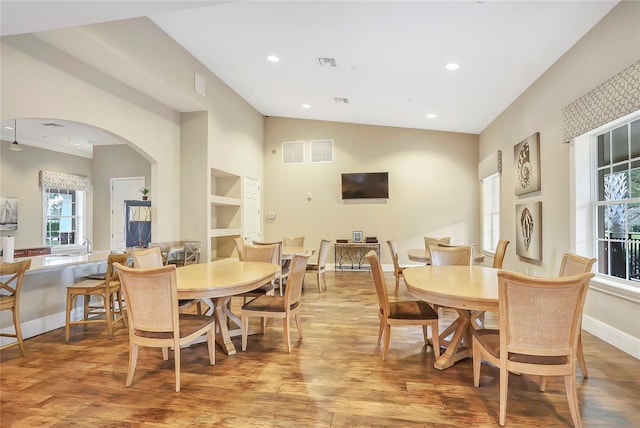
x: 327, y: 62
x: 338, y: 100
x: 54, y: 125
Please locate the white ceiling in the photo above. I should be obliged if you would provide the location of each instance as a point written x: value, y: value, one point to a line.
x: 390, y: 55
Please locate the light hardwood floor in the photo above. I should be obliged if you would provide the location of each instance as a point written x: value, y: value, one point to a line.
x: 334, y: 377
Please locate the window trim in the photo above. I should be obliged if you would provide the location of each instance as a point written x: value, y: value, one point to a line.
x: 81, y: 215
x: 498, y: 177
x: 581, y: 208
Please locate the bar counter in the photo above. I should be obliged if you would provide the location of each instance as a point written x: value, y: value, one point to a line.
x: 43, y: 296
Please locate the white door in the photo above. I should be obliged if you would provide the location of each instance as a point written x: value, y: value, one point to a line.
x: 251, y: 209
x: 122, y: 189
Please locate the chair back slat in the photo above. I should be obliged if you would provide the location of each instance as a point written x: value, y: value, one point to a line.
x: 13, y: 284
x: 573, y: 264
x: 293, y: 242
x: 323, y: 252
x: 378, y: 280
x: 429, y: 242
x: 239, y: 241
x: 192, y: 252
x: 501, y: 250
x: 297, y: 269
x: 149, y: 258
x: 263, y: 252
x: 541, y: 316
x: 460, y: 255
x: 152, y: 298
x: 394, y: 255
x: 165, y: 249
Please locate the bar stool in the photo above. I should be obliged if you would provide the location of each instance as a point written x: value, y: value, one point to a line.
x: 109, y: 290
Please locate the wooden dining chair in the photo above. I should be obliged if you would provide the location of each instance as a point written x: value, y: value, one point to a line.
x: 539, y: 327
x: 284, y: 307
x: 10, y: 299
x: 190, y: 253
x: 430, y: 241
x: 109, y: 304
x: 239, y: 241
x: 165, y: 249
x: 461, y: 255
x: 155, y: 319
x: 319, y: 268
x: 401, y: 313
x: 298, y: 241
x: 267, y: 253
x: 152, y: 258
x: 281, y: 277
x: 147, y: 258
x: 501, y: 250
x: 397, y: 269
x: 573, y: 264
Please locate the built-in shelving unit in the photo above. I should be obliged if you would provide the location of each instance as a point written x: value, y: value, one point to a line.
x: 226, y: 212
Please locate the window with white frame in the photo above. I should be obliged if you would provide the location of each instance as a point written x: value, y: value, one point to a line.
x: 489, y: 171
x: 616, y: 200
x: 490, y: 212
x: 63, y: 216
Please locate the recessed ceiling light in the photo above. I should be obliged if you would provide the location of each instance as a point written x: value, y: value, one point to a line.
x: 9, y: 127
x: 306, y: 106
x: 452, y: 66
x: 273, y: 58
x: 431, y: 116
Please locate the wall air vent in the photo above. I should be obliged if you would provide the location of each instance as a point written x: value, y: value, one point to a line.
x: 327, y: 62
x: 292, y: 152
x: 338, y: 100
x: 54, y: 125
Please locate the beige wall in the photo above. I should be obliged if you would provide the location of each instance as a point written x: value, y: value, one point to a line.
x: 607, y: 49
x: 39, y: 81
x: 433, y: 185
x: 130, y: 79
x: 112, y: 162
x: 19, y: 177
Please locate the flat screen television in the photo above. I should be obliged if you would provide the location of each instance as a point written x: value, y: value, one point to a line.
x: 365, y: 185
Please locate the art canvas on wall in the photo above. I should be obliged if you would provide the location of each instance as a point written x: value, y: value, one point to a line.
x: 9, y: 213
x: 526, y: 158
x: 529, y: 230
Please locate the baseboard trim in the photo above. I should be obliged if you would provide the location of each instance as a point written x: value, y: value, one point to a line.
x: 617, y: 338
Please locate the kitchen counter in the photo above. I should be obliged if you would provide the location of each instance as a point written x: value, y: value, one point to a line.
x: 56, y: 261
x: 43, y: 296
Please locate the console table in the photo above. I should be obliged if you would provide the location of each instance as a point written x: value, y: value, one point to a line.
x: 351, y: 255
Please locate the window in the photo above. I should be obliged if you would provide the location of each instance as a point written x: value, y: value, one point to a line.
x: 63, y: 217
x: 617, y: 201
x: 490, y: 212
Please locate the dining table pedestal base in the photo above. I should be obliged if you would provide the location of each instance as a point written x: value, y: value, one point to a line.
x: 459, y: 346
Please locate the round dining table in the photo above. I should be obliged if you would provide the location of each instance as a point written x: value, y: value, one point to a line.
x: 219, y: 281
x: 469, y: 290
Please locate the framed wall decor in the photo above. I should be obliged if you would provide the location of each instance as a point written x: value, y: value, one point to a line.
x: 529, y: 230
x: 8, y: 213
x: 526, y: 158
x: 357, y: 236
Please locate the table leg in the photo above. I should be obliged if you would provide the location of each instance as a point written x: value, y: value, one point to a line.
x: 455, y: 351
x: 223, y: 338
